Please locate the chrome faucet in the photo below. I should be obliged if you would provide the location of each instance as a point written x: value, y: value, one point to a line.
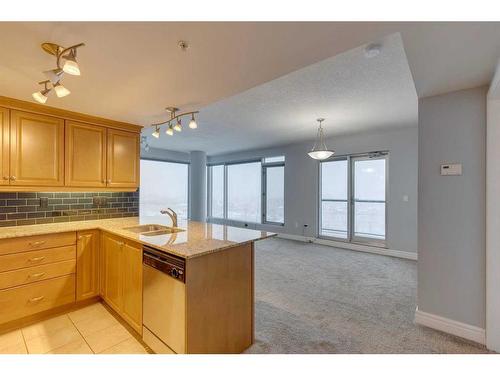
x: 172, y: 215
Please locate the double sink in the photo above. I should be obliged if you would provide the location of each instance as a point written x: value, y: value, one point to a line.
x: 153, y: 229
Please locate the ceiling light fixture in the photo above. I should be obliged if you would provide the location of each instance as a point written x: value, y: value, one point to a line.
x: 192, y: 123
x: 175, y: 121
x: 55, y: 75
x: 372, y: 50
x: 60, y: 90
x: 41, y: 96
x: 156, y: 133
x: 319, y: 150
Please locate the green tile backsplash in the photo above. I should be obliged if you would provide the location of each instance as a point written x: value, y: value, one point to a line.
x: 40, y: 208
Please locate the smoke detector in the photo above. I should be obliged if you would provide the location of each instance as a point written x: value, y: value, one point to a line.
x: 372, y: 50
x: 183, y: 45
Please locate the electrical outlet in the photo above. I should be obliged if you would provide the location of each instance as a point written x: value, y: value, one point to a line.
x: 44, y: 202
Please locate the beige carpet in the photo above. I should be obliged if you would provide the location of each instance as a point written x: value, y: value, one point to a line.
x: 318, y: 299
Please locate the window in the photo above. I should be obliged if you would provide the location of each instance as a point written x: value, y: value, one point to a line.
x: 163, y: 184
x: 244, y: 192
x: 217, y: 191
x: 361, y: 181
x: 248, y: 192
x: 274, y: 177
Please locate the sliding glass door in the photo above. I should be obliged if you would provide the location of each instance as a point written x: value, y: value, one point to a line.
x: 353, y: 198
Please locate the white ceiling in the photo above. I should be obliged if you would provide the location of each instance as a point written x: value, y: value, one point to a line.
x: 352, y: 92
x: 131, y: 71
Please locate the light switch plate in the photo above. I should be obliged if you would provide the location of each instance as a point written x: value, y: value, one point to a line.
x: 451, y: 169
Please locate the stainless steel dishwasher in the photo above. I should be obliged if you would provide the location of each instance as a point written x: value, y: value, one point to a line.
x: 164, y: 301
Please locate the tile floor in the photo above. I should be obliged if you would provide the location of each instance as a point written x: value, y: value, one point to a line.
x: 90, y: 330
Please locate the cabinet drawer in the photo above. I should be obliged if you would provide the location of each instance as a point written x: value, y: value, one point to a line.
x: 33, y: 274
x: 18, y: 302
x: 36, y: 258
x: 46, y: 241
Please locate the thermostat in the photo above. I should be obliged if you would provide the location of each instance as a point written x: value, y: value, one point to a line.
x: 451, y: 169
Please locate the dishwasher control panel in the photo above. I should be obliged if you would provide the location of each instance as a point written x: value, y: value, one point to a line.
x: 168, y: 264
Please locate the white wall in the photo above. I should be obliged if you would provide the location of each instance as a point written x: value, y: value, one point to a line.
x: 451, y: 209
x: 301, y: 182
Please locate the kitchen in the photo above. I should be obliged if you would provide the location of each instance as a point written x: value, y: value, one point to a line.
x: 50, y: 268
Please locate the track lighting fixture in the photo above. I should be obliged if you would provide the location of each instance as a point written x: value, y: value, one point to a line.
x: 178, y: 127
x: 156, y: 133
x: 71, y: 66
x: 60, y: 90
x: 55, y: 75
x: 192, y: 123
x: 175, y: 122
x: 42, y: 95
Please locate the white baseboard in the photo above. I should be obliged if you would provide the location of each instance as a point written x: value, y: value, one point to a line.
x: 452, y: 327
x: 351, y: 246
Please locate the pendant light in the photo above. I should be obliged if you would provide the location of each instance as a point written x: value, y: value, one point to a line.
x: 319, y: 150
x: 192, y: 123
x: 60, y: 90
x: 156, y: 133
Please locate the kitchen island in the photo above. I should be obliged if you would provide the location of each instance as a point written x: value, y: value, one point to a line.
x: 209, y: 309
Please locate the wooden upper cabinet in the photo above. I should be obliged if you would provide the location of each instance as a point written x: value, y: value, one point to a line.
x: 4, y: 146
x: 36, y: 149
x: 123, y: 159
x: 85, y: 163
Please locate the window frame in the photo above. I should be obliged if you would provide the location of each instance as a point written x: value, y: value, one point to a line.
x: 188, y: 178
x: 351, y: 238
x: 263, y: 192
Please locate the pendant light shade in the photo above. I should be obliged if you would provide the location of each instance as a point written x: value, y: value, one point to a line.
x: 61, y: 91
x: 156, y: 133
x: 319, y: 150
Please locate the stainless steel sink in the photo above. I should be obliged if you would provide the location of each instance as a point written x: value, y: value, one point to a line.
x: 146, y: 228
x: 163, y: 231
x: 153, y: 229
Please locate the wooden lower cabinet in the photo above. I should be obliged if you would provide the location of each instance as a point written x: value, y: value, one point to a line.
x: 122, y: 273
x: 87, y: 262
x: 33, y: 298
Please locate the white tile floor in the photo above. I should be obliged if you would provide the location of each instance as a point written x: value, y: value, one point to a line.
x: 90, y: 330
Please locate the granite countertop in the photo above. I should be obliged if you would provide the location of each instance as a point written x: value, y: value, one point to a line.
x: 196, y: 239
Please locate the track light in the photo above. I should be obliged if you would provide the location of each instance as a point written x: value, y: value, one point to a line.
x: 192, y: 123
x: 175, y: 122
x: 42, y: 95
x: 156, y: 133
x: 54, y: 75
x: 178, y: 127
x: 71, y: 66
x: 61, y: 91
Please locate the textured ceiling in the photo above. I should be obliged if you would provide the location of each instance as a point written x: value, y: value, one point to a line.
x: 354, y: 93
x: 131, y: 71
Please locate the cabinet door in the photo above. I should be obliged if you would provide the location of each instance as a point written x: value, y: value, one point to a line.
x: 123, y: 159
x: 36, y: 150
x: 87, y: 264
x: 132, y: 285
x: 85, y: 163
x: 4, y: 146
x: 113, y: 249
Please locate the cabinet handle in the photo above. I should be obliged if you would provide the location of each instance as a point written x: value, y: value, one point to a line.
x: 80, y: 238
x: 5, y: 177
x: 37, y: 275
x: 36, y: 299
x: 37, y: 259
x: 13, y: 178
x: 36, y: 243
